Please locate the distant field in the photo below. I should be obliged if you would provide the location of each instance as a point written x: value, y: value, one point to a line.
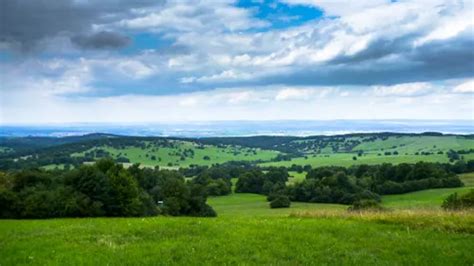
x: 409, y: 149
x: 412, y: 144
x: 296, y: 177
x: 243, y: 204
x: 346, y: 159
x: 467, y: 179
x: 4, y: 149
x: 345, y: 150
x: 201, y: 155
x: 431, y: 198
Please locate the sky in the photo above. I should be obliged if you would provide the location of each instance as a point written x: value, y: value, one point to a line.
x: 120, y: 61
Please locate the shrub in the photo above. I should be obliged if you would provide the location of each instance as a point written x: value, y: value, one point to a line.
x: 280, y: 201
x: 366, y: 205
x: 456, y: 202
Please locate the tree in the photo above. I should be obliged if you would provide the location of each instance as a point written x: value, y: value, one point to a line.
x: 280, y: 201
x: 456, y: 202
x: 250, y: 182
x: 366, y: 205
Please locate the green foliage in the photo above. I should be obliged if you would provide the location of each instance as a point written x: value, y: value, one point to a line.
x: 456, y: 202
x: 280, y: 201
x: 102, y: 189
x: 366, y: 205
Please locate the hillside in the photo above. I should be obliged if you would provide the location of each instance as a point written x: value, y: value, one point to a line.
x: 342, y: 150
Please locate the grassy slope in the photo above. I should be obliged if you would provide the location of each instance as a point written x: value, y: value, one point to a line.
x: 169, y: 155
x: 345, y: 159
x: 414, y: 144
x: 406, y: 146
x: 247, y: 231
x: 243, y: 204
x: 374, y: 151
x: 228, y: 240
x: 430, y: 198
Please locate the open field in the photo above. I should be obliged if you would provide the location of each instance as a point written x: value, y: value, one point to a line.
x: 247, y: 231
x: 412, y: 144
x: 177, y: 156
x: 409, y: 149
x: 244, y: 204
x: 296, y: 177
x: 303, y: 238
x: 346, y: 159
x: 430, y: 198
x: 344, y: 150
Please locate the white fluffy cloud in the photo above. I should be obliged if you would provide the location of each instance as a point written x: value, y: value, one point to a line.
x: 256, y: 103
x: 465, y: 87
x: 403, y: 90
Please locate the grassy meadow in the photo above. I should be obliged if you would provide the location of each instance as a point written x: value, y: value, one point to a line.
x: 413, y: 231
x: 173, y: 156
x: 409, y: 149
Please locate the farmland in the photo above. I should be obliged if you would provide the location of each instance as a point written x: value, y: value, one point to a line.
x: 316, y: 151
x: 394, y: 149
x: 184, y: 153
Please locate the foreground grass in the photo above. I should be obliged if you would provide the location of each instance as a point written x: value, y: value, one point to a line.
x: 248, y: 232
x: 303, y: 239
x: 443, y: 221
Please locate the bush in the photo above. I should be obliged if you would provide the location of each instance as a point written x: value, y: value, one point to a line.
x: 280, y: 202
x: 366, y: 205
x: 456, y: 202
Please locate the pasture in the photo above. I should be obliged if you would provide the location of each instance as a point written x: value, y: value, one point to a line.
x: 184, y: 154
x: 246, y: 232
x: 393, y: 149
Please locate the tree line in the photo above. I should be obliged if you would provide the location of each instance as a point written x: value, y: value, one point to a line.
x: 102, y: 189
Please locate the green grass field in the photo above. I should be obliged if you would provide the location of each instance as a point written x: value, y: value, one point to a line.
x: 247, y: 232
x: 410, y: 149
x: 346, y: 159
x: 171, y: 156
x: 407, y: 148
x: 299, y: 239
x: 412, y: 144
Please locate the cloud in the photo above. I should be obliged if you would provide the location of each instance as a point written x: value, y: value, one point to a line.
x: 339, y: 7
x: 293, y: 94
x: 466, y: 87
x: 26, y: 23
x: 258, y: 103
x: 403, y: 90
x: 193, y: 16
x: 101, y: 40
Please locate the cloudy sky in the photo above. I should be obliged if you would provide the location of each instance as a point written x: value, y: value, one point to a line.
x: 171, y: 61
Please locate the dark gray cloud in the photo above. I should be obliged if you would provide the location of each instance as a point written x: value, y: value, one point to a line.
x: 101, y: 40
x: 388, y: 62
x: 23, y: 23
